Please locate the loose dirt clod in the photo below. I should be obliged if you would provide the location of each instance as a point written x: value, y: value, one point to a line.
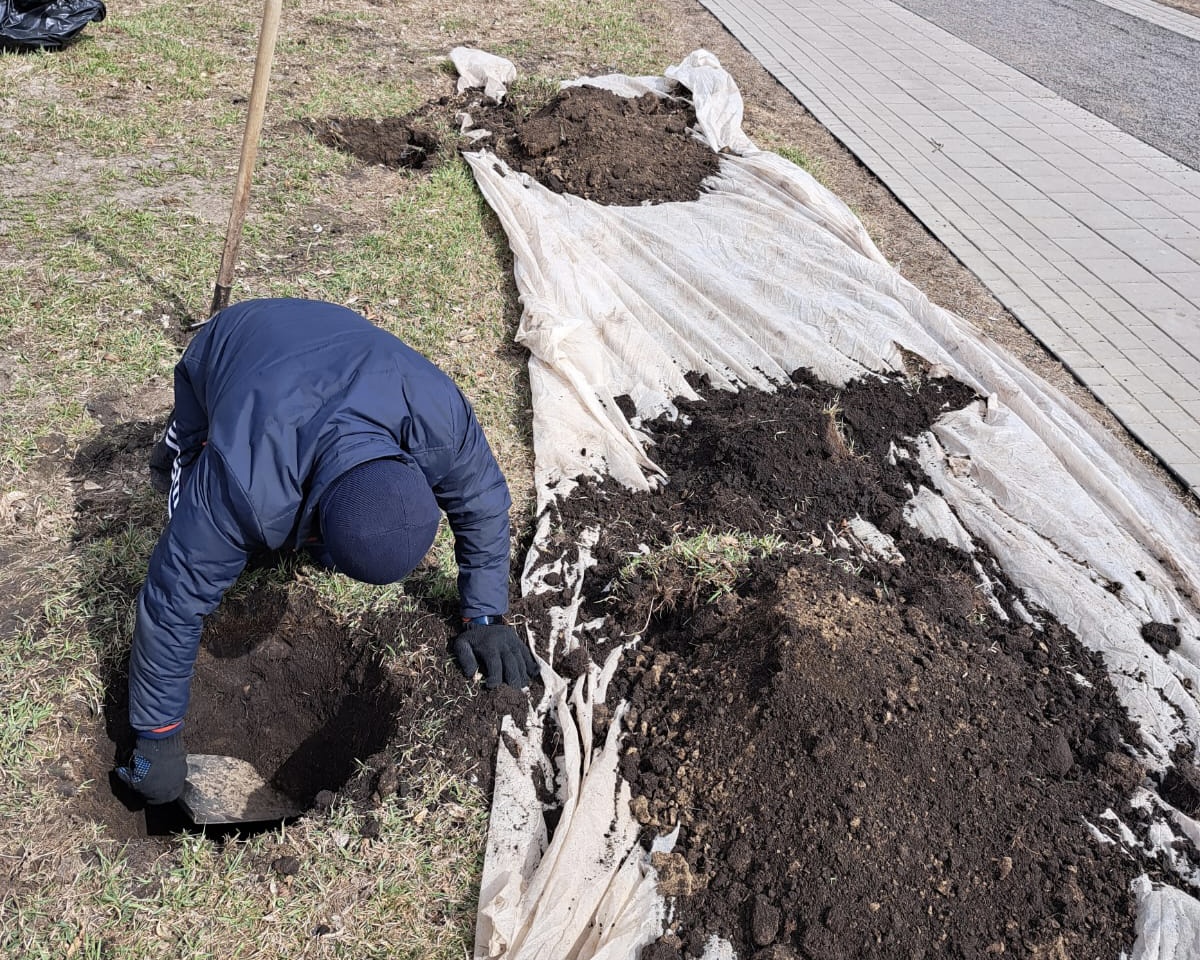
x: 1162, y: 637
x: 391, y: 141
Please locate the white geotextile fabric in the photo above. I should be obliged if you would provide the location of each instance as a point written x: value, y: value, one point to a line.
x: 589, y: 893
x: 477, y: 68
x: 768, y: 271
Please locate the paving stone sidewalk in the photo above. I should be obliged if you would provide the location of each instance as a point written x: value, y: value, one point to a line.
x: 1089, y: 236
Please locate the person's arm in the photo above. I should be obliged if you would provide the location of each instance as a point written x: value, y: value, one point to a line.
x: 474, y: 495
x: 198, y: 557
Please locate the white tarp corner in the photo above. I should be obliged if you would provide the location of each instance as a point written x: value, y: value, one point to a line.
x: 479, y: 69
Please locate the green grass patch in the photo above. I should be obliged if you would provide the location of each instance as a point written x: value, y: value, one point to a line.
x: 423, y: 272
x: 389, y: 891
x: 713, y: 561
x: 611, y: 30
x: 799, y: 159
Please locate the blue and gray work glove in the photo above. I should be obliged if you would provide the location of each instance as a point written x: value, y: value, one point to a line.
x: 158, y: 768
x: 490, y: 642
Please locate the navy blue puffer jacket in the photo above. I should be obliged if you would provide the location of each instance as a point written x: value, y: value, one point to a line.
x: 274, y: 400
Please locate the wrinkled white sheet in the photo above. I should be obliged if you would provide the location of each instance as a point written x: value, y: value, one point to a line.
x: 476, y: 68
x: 768, y: 271
x: 591, y: 892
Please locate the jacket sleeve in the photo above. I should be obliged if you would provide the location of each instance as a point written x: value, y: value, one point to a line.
x: 199, y: 555
x: 475, y: 496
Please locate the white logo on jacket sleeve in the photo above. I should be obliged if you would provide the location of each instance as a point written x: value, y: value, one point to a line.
x: 173, y: 496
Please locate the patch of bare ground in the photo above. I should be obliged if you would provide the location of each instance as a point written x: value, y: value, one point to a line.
x: 1187, y: 6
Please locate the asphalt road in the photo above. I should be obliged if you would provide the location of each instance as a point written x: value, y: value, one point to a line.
x: 1140, y: 77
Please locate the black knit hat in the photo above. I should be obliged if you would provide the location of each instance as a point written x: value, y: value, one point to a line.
x: 378, y: 520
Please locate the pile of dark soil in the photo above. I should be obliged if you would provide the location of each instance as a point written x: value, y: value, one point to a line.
x: 584, y: 141
x: 602, y: 147
x: 866, y: 759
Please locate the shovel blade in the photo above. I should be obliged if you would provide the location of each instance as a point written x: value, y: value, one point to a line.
x: 229, y: 790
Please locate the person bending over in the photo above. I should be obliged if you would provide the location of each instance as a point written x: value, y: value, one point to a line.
x: 300, y: 424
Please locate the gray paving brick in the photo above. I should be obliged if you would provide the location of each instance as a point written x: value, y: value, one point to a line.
x: 1090, y: 246
x: 1189, y: 202
x: 1173, y: 447
x: 1182, y: 469
x: 1185, y: 364
x: 1119, y: 271
x: 1054, y: 226
x: 1171, y: 229
x: 1145, y: 209
x: 1180, y: 361
x: 1151, y: 296
x: 1188, y: 246
x: 1127, y: 409
x: 1015, y: 188
x: 1121, y: 368
x: 1165, y: 260
x: 1145, y: 359
x: 1154, y: 433
x: 1136, y: 240
x: 1178, y: 387
x: 1075, y: 272
x: 1156, y: 186
x: 1176, y: 451
x: 1192, y: 443
x: 1186, y: 284
x: 1081, y: 301
x: 1129, y: 336
x: 1094, y: 211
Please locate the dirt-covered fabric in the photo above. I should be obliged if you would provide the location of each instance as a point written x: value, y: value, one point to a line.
x: 866, y: 759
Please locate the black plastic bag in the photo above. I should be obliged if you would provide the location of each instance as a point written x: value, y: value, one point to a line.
x: 33, y: 24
